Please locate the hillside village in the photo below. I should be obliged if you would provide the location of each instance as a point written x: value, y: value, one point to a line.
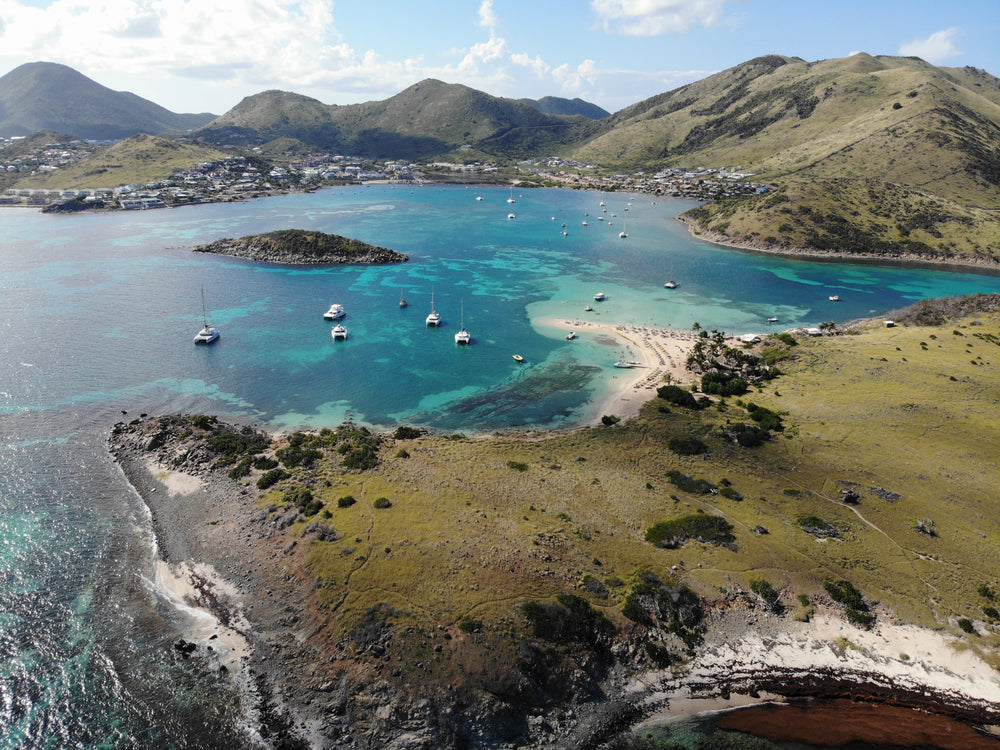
x: 258, y: 174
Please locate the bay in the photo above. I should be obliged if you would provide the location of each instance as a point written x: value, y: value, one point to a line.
x: 97, y: 318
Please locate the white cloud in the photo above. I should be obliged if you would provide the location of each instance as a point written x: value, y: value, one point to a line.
x: 936, y: 48
x: 488, y: 18
x: 655, y: 17
x: 192, y: 56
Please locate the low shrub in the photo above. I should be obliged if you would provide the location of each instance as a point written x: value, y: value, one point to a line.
x: 687, y: 446
x: 723, y: 384
x: 855, y: 607
x: 382, y: 502
x: 818, y: 527
x: 470, y: 625
x: 768, y: 595
x: 346, y: 501
x: 272, y: 477
x: 966, y: 624
x: 674, y: 394
x: 517, y: 465
x: 690, y: 484
x: 698, y: 526
x: 407, y: 433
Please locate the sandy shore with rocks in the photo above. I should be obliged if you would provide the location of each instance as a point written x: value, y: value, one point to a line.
x: 658, y: 353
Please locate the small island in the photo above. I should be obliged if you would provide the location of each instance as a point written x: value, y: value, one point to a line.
x: 302, y: 247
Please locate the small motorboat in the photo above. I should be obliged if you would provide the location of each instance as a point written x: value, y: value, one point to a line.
x: 600, y: 297
x: 336, y: 312
x: 773, y: 319
x: 835, y: 298
x: 671, y: 284
x: 518, y: 358
x: 588, y: 308
x: 571, y: 335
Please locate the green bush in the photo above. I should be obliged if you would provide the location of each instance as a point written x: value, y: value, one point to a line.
x: 722, y: 384
x: 731, y: 493
x: 674, y: 394
x: 768, y: 594
x: 470, y: 625
x: 855, y: 607
x: 687, y: 446
x: 699, y: 526
x: 786, y: 338
x: 517, y: 466
x: 767, y: 419
x: 264, y: 463
x: 748, y: 435
x: 966, y: 624
x: 407, y: 433
x: 382, y: 502
x: 203, y: 421
x: 295, y: 455
x: 242, y: 469
x: 272, y: 477
x: 690, y: 484
x: 346, y: 502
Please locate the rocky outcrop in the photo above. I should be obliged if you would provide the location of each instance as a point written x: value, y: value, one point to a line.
x: 302, y: 247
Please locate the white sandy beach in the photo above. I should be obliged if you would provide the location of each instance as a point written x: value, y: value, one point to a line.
x: 659, y: 352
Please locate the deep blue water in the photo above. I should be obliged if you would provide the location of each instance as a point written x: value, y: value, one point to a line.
x: 98, y: 313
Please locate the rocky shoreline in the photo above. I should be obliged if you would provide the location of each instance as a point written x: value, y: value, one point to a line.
x: 302, y: 247
x: 304, y: 691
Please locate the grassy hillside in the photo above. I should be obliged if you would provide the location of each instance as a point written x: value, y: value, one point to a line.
x: 895, y: 119
x: 428, y: 119
x: 459, y: 533
x: 855, y: 216
x: 136, y: 160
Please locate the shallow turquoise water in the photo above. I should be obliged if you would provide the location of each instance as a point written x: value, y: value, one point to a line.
x: 97, y: 316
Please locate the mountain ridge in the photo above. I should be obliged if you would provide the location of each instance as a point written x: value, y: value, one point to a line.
x: 49, y: 96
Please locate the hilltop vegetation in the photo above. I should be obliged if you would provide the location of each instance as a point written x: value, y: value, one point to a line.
x: 301, y: 246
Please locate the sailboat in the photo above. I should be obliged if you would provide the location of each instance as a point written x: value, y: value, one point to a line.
x: 511, y: 199
x: 463, y: 336
x: 402, y: 299
x: 434, y: 319
x: 623, y: 234
x: 208, y: 334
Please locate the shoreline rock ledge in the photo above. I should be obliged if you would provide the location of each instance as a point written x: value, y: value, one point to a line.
x: 302, y: 247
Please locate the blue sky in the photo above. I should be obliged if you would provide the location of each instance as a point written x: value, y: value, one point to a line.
x: 206, y: 55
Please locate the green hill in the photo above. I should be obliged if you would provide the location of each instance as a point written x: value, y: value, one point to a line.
x: 428, y: 119
x: 48, y: 96
x: 135, y: 160
x: 896, y: 119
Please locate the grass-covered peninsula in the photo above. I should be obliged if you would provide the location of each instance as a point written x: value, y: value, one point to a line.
x: 457, y: 588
